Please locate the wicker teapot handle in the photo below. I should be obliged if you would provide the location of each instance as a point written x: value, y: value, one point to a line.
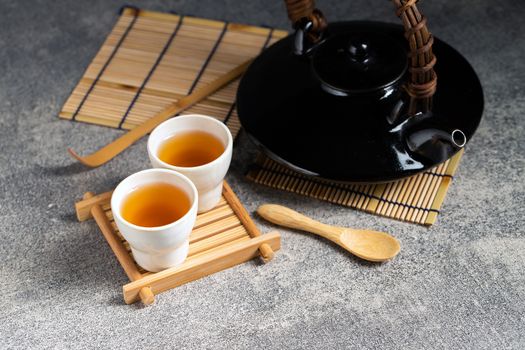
x: 423, y: 79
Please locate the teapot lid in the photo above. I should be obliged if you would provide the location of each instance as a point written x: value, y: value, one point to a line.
x: 356, y: 62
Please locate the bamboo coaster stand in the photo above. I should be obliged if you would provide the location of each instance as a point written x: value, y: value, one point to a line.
x: 221, y: 238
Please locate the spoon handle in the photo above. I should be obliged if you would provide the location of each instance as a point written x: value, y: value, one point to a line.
x: 290, y: 218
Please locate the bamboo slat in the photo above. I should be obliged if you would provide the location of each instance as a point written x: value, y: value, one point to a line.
x: 222, y: 237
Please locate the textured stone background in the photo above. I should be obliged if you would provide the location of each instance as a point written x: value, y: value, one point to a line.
x: 459, y: 284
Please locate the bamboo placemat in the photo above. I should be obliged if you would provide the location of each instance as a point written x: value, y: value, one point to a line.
x: 152, y: 59
x: 416, y: 199
x: 221, y: 238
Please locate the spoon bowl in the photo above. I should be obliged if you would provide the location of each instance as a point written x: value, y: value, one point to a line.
x: 370, y: 245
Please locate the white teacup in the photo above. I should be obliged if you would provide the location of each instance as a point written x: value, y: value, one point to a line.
x: 156, y: 248
x: 207, y: 178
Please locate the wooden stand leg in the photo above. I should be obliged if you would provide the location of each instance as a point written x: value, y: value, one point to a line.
x: 146, y: 296
x: 267, y: 252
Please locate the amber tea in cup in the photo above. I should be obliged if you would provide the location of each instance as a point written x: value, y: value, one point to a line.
x: 155, y: 210
x: 190, y: 149
x: 155, y: 204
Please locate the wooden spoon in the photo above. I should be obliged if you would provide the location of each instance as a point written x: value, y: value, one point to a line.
x: 109, y: 151
x: 366, y: 244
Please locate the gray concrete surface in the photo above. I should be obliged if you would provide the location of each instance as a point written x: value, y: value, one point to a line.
x: 457, y: 285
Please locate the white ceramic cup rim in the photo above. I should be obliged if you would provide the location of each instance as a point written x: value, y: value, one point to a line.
x: 116, y: 211
x: 191, y: 116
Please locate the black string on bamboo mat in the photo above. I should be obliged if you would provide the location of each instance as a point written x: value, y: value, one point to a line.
x: 152, y: 70
x: 265, y: 45
x: 230, y: 111
x: 208, y: 59
x: 106, y: 64
x: 438, y: 175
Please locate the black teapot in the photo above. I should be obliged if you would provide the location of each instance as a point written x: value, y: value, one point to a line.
x: 359, y: 101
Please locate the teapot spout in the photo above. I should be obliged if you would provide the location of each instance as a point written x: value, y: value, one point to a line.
x: 435, y: 144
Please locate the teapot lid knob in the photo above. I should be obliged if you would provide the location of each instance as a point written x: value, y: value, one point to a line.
x: 358, y: 51
x: 354, y: 61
